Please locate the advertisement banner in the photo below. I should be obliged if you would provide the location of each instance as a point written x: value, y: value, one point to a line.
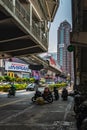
x: 13, y: 66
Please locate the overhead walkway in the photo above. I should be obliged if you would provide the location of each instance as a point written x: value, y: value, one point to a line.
x: 24, y: 29
x: 17, y: 36
x: 34, y: 59
x: 24, y: 26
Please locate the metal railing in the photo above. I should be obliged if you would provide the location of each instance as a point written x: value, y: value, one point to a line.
x: 24, y: 16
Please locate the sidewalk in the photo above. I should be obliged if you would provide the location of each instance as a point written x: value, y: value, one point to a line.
x: 55, y: 116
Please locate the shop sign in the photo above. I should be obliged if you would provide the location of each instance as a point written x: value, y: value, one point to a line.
x: 13, y: 66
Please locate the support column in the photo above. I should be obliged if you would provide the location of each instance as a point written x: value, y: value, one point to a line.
x: 13, y: 2
x: 40, y: 30
x: 30, y: 17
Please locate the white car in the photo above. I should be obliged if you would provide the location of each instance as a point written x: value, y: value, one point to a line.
x: 50, y: 82
x: 31, y: 87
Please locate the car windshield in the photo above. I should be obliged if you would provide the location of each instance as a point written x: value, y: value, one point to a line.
x: 31, y: 85
x: 50, y: 82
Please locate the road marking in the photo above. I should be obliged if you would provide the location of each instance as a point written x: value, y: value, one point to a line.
x: 2, y: 105
x: 67, y: 110
x: 17, y: 114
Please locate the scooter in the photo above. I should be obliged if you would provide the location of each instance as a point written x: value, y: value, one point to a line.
x: 56, y: 94
x: 48, y: 97
x: 81, y: 117
x: 64, y: 94
x: 84, y: 124
x: 78, y: 100
x: 36, y: 95
x: 11, y: 92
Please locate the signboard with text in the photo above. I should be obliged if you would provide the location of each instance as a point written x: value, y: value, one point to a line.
x: 13, y: 66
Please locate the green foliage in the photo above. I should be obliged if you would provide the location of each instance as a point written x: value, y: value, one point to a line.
x: 59, y: 85
x: 42, y: 80
x: 1, y: 78
x: 20, y: 86
x: 12, y: 79
x: 4, y: 88
x: 32, y: 80
x: 25, y: 79
x: 18, y: 79
x: 1, y: 88
x: 7, y: 78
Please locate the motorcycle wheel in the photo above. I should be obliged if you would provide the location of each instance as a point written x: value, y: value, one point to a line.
x: 13, y: 94
x: 64, y: 99
x: 33, y: 99
x: 50, y: 99
x: 56, y: 97
x: 84, y: 124
x: 8, y: 95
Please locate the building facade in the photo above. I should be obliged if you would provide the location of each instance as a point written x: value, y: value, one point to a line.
x: 14, y: 67
x: 78, y: 38
x: 64, y: 57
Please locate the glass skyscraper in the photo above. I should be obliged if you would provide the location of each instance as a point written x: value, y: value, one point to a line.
x: 64, y: 57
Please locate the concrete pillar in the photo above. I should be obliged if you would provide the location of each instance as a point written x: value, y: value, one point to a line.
x: 40, y: 30
x: 13, y: 2
x: 30, y: 16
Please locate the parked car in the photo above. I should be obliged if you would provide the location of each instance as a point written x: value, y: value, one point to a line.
x: 30, y: 87
x: 50, y: 82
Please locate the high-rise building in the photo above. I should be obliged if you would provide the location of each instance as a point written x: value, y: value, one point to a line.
x: 64, y: 57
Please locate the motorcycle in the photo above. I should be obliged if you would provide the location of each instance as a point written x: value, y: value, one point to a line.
x: 84, y: 124
x: 78, y: 99
x: 36, y: 95
x: 81, y: 116
x: 46, y: 96
x: 56, y: 94
x: 11, y: 92
x: 64, y: 94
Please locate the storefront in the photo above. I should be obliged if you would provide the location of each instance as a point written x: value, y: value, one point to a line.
x: 14, y: 69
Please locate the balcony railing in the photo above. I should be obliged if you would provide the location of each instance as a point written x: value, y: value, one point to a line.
x: 24, y: 16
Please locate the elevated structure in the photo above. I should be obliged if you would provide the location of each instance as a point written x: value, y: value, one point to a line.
x: 36, y: 60
x: 79, y: 40
x: 24, y: 26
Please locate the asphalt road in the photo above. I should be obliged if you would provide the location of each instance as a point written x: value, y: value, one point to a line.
x: 19, y: 113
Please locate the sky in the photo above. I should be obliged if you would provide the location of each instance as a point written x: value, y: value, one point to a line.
x: 63, y: 13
